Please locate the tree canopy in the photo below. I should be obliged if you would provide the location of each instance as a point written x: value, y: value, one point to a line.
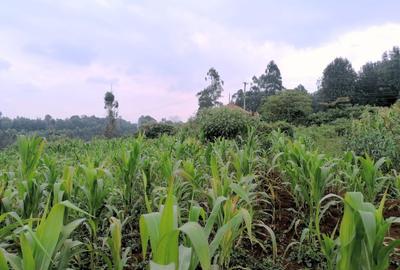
x: 338, y: 80
x: 379, y: 82
x: 289, y: 105
x: 267, y: 84
x: 209, y: 96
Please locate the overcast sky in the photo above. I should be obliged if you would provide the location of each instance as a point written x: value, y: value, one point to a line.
x: 60, y: 57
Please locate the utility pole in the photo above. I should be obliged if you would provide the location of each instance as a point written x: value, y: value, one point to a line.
x: 244, y: 95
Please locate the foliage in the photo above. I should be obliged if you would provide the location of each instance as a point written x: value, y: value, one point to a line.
x: 83, y: 127
x: 30, y: 150
x: 254, y: 98
x: 271, y: 81
x: 224, y: 122
x: 378, y: 82
x: 145, y: 120
x: 177, y: 198
x: 377, y: 134
x: 333, y: 114
x: 209, y: 96
x: 265, y: 85
x: 161, y: 229
x: 328, y: 139
x: 264, y: 130
x: 362, y: 241
x: 155, y: 130
x: 289, y: 105
x: 309, y: 173
x: 338, y: 80
x: 48, y: 244
x: 119, y: 261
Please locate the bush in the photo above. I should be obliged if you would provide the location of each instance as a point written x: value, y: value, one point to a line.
x: 265, y: 128
x: 377, y: 134
x: 7, y: 137
x: 155, y: 130
x: 290, y: 105
x: 224, y: 122
x: 331, y: 115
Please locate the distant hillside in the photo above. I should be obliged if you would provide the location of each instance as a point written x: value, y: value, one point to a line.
x: 83, y: 127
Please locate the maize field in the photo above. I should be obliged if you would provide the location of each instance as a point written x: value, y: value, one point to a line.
x: 179, y: 203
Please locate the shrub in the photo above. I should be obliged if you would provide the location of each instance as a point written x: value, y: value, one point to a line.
x: 290, y: 105
x: 377, y: 134
x: 324, y: 138
x: 265, y: 128
x: 332, y: 115
x: 224, y: 122
x: 155, y: 130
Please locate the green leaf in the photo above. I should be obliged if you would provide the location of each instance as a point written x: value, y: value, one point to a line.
x: 199, y: 242
x: 27, y: 253
x: 3, y: 261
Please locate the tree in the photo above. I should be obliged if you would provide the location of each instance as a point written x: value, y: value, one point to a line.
x: 338, y: 80
x: 289, y: 105
x: 111, y: 105
x: 267, y: 84
x: 368, y: 83
x: 209, y: 96
x: 254, y: 99
x: 146, y: 119
x: 271, y: 81
x: 300, y: 88
x: 379, y: 82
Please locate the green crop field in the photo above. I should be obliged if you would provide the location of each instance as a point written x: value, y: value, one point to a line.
x: 260, y: 201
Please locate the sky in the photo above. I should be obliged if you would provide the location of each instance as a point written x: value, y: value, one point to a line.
x: 60, y: 57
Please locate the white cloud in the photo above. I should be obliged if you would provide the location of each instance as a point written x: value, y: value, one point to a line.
x: 157, y: 56
x: 305, y: 65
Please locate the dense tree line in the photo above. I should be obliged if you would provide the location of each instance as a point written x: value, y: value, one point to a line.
x: 377, y: 83
x: 84, y: 127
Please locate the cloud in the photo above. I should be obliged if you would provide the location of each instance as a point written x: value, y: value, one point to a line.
x: 65, y: 53
x: 156, y: 54
x: 4, y: 65
x: 103, y: 80
x: 305, y: 65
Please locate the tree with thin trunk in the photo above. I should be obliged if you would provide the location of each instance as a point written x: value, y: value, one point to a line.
x: 111, y: 105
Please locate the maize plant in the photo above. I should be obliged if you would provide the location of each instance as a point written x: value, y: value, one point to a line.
x: 363, y: 241
x: 309, y: 175
x: 362, y: 235
x: 372, y: 178
x: 162, y: 231
x: 129, y: 166
x: 94, y: 187
x: 30, y: 150
x: 47, y: 246
x: 118, y: 260
x: 5, y: 194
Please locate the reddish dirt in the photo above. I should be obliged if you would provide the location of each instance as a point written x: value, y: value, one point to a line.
x: 392, y: 209
x: 283, y: 202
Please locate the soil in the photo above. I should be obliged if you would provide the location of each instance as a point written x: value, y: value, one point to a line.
x: 285, y: 216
